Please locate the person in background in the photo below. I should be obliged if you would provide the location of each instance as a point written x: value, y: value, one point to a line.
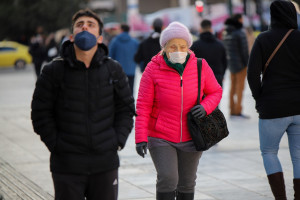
x: 212, y: 50
x: 79, y: 117
x: 37, y: 50
x: 110, y: 31
x: 250, y: 37
x: 236, y: 45
x: 150, y: 46
x: 167, y: 92
x: 51, y: 47
x: 277, y: 94
x: 123, y: 48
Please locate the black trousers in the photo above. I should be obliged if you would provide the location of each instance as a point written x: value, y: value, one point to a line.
x: 38, y: 66
x: 131, y: 82
x: 102, y: 186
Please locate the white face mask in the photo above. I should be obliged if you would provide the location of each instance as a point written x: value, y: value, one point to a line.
x: 177, y: 57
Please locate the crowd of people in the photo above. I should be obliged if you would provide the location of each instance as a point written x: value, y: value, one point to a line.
x: 83, y: 105
x: 44, y: 47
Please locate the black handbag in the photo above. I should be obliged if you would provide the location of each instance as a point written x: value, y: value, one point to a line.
x: 209, y: 130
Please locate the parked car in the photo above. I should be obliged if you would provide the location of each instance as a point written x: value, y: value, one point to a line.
x: 14, y: 54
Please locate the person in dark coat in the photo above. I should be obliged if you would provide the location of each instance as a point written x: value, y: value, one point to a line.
x: 122, y: 48
x: 51, y: 47
x: 277, y: 94
x: 37, y: 50
x: 80, y: 116
x: 236, y: 44
x: 212, y: 50
x: 150, y: 46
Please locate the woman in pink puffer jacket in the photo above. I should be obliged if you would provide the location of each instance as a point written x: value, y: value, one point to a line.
x: 168, y: 91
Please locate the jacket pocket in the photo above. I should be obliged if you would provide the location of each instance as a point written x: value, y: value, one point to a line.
x: 160, y: 123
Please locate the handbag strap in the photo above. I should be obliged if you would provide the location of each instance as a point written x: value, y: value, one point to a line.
x: 199, y: 68
x: 275, y: 51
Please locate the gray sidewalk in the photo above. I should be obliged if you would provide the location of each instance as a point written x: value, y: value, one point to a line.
x: 232, y: 170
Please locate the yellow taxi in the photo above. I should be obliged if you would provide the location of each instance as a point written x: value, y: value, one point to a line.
x: 14, y: 54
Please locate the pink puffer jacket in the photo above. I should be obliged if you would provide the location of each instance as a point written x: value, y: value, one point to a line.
x: 165, y: 98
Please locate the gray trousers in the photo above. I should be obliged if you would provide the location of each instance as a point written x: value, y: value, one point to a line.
x: 176, y: 169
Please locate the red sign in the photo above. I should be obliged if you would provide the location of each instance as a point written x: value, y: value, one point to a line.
x: 199, y: 6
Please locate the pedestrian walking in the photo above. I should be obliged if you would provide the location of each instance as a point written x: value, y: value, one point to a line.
x: 277, y: 93
x: 168, y: 91
x: 37, y: 49
x: 236, y: 45
x: 150, y: 46
x: 82, y: 110
x: 51, y: 47
x: 211, y: 49
x: 123, y: 48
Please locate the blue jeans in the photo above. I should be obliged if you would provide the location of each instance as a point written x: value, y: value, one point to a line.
x: 270, y: 134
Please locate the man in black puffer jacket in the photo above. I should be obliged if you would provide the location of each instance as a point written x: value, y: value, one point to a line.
x: 82, y: 108
x: 235, y: 41
x: 212, y: 50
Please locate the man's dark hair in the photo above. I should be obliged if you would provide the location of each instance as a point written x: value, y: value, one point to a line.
x: 87, y: 13
x: 125, y: 27
x: 237, y: 16
x: 205, y: 24
x: 157, y: 25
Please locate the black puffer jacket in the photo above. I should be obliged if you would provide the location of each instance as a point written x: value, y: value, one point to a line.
x: 278, y: 95
x: 213, y: 51
x: 79, y: 117
x: 235, y: 41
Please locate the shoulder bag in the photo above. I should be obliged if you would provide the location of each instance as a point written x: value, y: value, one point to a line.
x: 275, y: 50
x: 209, y: 130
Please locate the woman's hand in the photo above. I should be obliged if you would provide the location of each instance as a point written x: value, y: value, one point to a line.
x: 141, y: 148
x: 198, y: 111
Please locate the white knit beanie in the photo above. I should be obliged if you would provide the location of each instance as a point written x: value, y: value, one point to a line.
x: 175, y: 30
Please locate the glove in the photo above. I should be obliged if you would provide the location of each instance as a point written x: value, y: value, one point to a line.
x: 141, y: 148
x: 198, y: 111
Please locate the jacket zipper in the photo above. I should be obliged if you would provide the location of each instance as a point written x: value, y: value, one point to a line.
x: 87, y: 118
x: 181, y: 114
x: 181, y: 110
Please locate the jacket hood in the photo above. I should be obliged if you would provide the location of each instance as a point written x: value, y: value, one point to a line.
x: 68, y: 53
x: 124, y: 37
x: 233, y: 24
x: 283, y: 15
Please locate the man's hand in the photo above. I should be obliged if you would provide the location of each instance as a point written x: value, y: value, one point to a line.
x: 141, y: 148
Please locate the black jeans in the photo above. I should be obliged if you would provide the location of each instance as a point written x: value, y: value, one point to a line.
x: 102, y: 186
